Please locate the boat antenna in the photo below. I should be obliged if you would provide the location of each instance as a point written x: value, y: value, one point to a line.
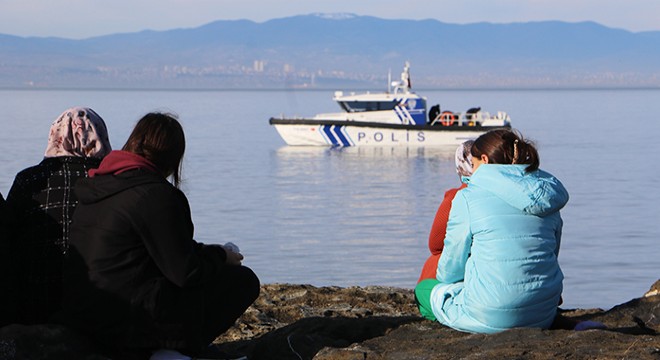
x: 389, y: 80
x: 405, y: 77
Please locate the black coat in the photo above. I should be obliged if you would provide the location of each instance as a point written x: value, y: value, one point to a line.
x: 42, y: 203
x: 7, y: 271
x: 132, y: 257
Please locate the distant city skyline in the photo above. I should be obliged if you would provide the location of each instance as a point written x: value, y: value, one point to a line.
x: 314, y: 52
x: 79, y: 19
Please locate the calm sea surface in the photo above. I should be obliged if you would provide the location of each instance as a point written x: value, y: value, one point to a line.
x: 361, y: 216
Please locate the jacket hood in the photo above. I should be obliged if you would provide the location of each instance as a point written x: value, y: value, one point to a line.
x: 119, y: 170
x: 537, y: 193
x: 119, y: 161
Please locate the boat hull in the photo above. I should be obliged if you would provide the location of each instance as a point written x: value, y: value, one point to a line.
x: 310, y: 132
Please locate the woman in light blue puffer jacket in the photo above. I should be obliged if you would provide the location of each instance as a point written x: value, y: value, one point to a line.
x: 499, y: 267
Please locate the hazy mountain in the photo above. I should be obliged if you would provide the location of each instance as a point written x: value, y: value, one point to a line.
x: 328, y: 51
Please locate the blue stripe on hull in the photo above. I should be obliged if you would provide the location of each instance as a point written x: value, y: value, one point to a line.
x: 335, y: 135
x: 327, y: 130
x: 340, y: 136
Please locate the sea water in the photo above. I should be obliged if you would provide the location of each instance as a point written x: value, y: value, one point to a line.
x: 361, y: 216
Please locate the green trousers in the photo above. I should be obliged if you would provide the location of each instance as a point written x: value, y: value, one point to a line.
x: 423, y: 297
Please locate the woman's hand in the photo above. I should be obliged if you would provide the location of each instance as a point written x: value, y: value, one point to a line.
x: 233, y: 258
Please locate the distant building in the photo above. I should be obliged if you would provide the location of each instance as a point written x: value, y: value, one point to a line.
x: 258, y: 66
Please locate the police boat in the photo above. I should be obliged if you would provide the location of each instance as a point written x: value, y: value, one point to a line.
x: 396, y: 117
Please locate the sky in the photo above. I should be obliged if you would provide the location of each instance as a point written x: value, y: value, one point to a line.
x: 79, y: 19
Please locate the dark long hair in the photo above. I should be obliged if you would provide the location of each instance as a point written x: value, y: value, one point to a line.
x: 159, y: 138
x: 504, y: 146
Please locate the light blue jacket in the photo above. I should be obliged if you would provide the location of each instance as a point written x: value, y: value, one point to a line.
x: 499, y: 268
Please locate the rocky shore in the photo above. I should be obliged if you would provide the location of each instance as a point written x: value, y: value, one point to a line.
x: 331, y: 323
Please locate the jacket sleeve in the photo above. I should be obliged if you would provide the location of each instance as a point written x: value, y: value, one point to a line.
x: 458, y: 241
x: 167, y: 233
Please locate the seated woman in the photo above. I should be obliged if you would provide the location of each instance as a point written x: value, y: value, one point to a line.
x: 135, y: 277
x: 463, y: 160
x: 7, y: 274
x: 42, y: 202
x: 499, y: 267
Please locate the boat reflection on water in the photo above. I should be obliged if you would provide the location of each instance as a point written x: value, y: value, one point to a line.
x: 350, y: 169
x: 304, y: 152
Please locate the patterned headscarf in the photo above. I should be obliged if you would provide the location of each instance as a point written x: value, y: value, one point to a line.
x: 464, y: 159
x: 79, y: 131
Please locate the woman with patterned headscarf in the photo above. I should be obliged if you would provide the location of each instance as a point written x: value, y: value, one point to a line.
x: 42, y: 202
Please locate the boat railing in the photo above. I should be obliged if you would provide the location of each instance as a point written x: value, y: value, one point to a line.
x: 448, y: 118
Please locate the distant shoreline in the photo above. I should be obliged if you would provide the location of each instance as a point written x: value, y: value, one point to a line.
x: 324, y: 89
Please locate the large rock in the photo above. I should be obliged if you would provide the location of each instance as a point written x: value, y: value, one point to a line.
x: 332, y: 323
x: 304, y: 322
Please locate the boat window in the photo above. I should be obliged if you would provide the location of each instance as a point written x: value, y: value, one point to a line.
x: 359, y: 106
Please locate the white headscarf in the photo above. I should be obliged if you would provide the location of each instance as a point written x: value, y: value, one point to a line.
x: 79, y: 131
x: 464, y: 159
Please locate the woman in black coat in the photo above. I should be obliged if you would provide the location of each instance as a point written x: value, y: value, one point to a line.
x: 136, y: 278
x: 42, y: 202
x: 7, y: 273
